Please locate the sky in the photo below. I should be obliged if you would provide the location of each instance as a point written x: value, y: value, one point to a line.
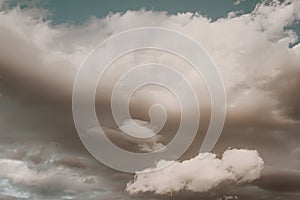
x: 78, y: 12
x: 255, y: 47
x: 101, y: 9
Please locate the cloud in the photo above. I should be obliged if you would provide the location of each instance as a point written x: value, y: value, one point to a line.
x: 238, y: 2
x: 58, y: 173
x: 280, y: 179
x: 132, y: 127
x: 44, y: 49
x: 199, y: 174
x: 150, y: 147
x: 43, y: 181
x: 256, y: 55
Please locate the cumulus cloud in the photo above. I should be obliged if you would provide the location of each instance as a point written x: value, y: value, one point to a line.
x: 199, y: 174
x: 44, y: 49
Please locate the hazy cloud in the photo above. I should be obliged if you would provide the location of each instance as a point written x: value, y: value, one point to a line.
x: 258, y: 60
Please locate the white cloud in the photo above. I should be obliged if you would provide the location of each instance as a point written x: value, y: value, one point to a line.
x: 57, y: 173
x: 150, y: 147
x: 241, y: 46
x: 137, y: 128
x: 199, y: 174
x: 238, y: 2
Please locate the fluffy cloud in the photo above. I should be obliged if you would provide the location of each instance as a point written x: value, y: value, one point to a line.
x: 44, y: 49
x: 199, y: 174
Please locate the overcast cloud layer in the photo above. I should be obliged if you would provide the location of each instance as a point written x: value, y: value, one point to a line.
x: 260, y: 67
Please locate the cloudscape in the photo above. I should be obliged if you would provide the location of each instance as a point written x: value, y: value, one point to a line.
x: 255, y: 48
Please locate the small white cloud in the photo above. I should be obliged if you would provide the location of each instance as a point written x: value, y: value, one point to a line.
x: 137, y: 128
x: 149, y: 147
x: 238, y: 2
